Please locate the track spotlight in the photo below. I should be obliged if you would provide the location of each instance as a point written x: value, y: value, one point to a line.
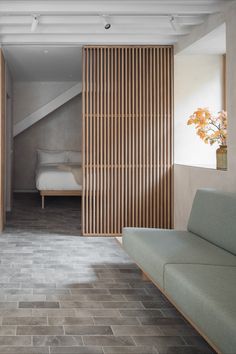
x: 35, y: 23
x: 106, y: 22
x: 174, y: 24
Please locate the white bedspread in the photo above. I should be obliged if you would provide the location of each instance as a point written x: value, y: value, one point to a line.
x: 51, y: 177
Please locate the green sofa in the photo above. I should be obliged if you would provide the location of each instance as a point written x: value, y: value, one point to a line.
x: 196, y: 269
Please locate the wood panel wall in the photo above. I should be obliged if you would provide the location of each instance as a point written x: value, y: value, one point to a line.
x: 2, y: 140
x: 127, y: 138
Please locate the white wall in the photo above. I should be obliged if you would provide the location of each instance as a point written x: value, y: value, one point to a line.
x: 188, y: 179
x: 62, y: 129
x: 198, y: 83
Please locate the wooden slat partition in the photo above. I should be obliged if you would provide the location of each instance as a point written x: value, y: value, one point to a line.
x: 127, y: 138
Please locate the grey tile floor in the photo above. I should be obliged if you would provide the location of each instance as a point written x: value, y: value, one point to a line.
x: 64, y: 294
x: 62, y: 215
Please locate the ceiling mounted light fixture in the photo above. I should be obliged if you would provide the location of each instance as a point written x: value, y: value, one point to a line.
x: 174, y: 24
x: 106, y: 22
x: 35, y: 23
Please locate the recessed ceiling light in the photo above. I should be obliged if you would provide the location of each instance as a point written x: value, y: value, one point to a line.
x: 45, y: 51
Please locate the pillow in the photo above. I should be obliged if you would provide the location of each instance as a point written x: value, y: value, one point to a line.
x: 74, y: 157
x: 51, y: 156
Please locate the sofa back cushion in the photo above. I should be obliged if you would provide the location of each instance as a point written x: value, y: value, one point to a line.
x: 213, y: 217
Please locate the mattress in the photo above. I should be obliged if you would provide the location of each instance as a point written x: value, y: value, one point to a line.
x: 50, y: 177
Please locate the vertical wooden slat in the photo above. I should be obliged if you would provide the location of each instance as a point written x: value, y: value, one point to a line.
x: 100, y: 226
x: 160, y: 116
x: 108, y: 95
x: 154, y: 147
x: 94, y: 140
x: 83, y: 143
x: 132, y: 117
x: 143, y: 134
x: 115, y: 120
x: 97, y: 127
x: 104, y: 119
x: 151, y: 162
x: 122, y: 93
x: 112, y: 140
x: 140, y: 142
x: 127, y: 138
x: 130, y: 139
x: 136, y: 122
x: 164, y: 138
x: 90, y: 124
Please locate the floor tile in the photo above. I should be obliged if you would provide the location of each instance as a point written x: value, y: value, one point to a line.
x: 39, y: 330
x: 23, y: 350
x: 39, y: 305
x: 77, y: 350
x: 88, y: 330
x: 58, y: 341
x: 108, y: 340
x: 24, y: 321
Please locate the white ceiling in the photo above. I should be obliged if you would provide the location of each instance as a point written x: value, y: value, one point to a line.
x: 44, y: 63
x: 53, y: 51
x: 81, y: 21
x: 213, y: 43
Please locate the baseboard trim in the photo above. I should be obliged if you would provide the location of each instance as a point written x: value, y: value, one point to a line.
x: 25, y: 191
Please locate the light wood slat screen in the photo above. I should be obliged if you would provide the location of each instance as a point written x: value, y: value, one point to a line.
x: 127, y: 138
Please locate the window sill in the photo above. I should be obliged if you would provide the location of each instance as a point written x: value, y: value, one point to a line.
x: 209, y: 167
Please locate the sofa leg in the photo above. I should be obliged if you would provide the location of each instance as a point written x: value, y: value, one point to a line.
x: 144, y: 277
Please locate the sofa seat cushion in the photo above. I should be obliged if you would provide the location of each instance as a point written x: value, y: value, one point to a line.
x: 207, y: 295
x: 151, y: 249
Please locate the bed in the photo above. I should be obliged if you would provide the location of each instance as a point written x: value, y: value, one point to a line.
x: 58, y: 173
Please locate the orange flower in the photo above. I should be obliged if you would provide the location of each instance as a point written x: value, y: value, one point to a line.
x: 210, y: 128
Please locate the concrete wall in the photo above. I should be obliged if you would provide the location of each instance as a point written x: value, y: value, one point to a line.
x: 29, y: 96
x: 198, y: 83
x: 189, y: 179
x: 62, y: 129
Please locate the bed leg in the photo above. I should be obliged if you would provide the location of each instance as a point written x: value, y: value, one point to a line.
x: 42, y: 201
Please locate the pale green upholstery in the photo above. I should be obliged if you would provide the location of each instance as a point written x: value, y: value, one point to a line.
x: 152, y: 249
x: 213, y: 217
x: 196, y: 268
x: 208, y: 296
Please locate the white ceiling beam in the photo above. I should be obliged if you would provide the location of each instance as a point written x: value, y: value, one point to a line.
x: 94, y: 30
x: 109, y: 7
x: 76, y: 39
x: 161, y: 20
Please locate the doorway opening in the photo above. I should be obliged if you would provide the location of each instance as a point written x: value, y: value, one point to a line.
x: 44, y: 139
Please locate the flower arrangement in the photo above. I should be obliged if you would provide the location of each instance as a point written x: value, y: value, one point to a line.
x: 210, y: 128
